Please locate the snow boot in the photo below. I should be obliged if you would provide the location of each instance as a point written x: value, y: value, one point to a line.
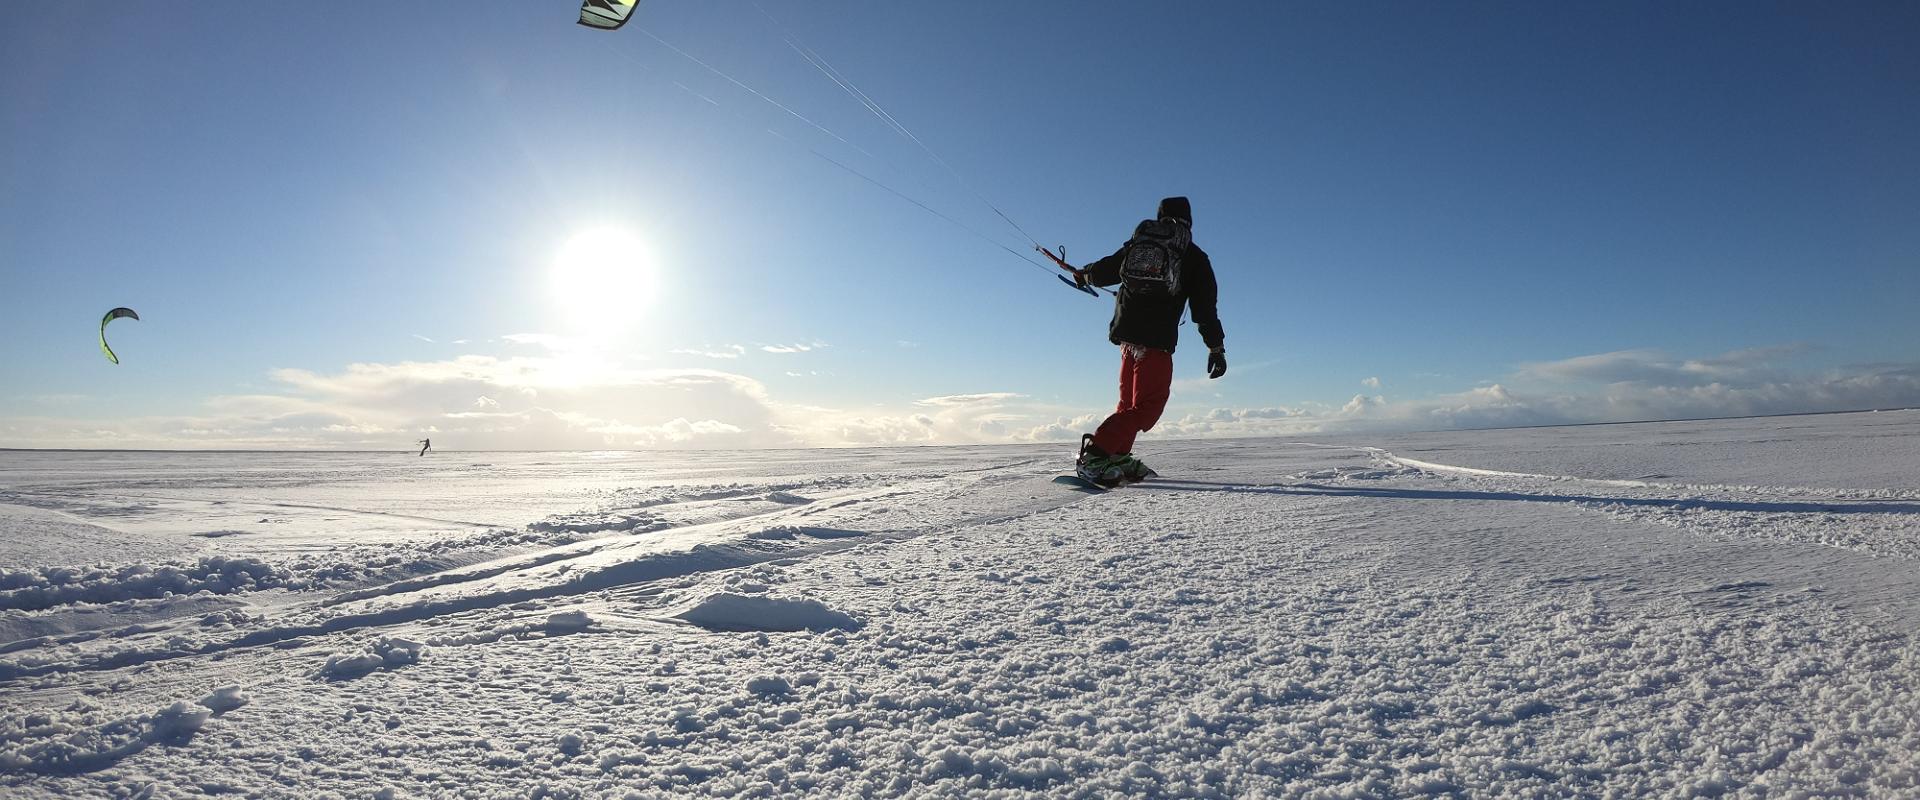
x: 1133, y: 469
x: 1095, y: 466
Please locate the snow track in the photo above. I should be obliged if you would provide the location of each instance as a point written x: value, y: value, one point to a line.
x: 603, y: 565
x: 1876, y: 522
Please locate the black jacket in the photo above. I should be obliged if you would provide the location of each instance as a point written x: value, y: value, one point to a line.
x: 1154, y: 321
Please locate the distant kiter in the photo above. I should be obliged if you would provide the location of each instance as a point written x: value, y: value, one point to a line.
x: 424, y: 444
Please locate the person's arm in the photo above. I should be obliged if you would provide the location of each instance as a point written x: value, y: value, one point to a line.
x: 1203, y: 294
x: 1106, y: 271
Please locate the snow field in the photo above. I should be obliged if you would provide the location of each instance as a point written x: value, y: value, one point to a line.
x: 1276, y: 620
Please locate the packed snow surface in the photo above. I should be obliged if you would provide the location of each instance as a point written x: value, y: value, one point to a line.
x: 1674, y: 609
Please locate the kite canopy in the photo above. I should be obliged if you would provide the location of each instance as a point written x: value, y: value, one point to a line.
x: 606, y: 14
x: 111, y: 316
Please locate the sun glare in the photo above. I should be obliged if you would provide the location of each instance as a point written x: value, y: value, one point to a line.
x: 602, y: 277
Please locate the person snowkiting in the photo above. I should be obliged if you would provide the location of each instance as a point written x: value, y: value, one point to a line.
x: 1162, y: 274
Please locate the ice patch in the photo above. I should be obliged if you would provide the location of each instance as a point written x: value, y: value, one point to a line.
x: 219, y: 534
x: 733, y: 612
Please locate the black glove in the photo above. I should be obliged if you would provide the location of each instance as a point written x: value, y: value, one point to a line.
x: 1216, y: 363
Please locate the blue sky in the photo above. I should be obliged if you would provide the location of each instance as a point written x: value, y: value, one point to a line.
x: 1422, y: 215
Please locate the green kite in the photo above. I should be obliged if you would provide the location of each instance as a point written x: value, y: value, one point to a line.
x: 606, y: 14
x: 111, y: 316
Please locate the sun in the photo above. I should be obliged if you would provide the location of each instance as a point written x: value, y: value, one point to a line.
x: 601, y: 277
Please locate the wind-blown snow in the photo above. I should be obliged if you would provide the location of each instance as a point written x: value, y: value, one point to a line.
x: 733, y: 612
x: 1677, y: 609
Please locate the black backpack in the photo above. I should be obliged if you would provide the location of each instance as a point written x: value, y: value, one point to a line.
x: 1151, y: 265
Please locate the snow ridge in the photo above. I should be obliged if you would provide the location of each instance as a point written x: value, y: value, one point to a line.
x: 1389, y: 458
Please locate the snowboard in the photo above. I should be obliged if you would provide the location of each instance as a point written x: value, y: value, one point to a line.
x: 1085, y: 485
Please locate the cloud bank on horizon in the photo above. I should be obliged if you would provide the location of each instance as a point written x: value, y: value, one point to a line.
x: 573, y: 400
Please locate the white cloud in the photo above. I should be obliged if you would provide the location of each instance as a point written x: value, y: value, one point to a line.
x: 1635, y: 385
x: 1362, y: 405
x: 1371, y: 383
x: 1270, y: 421
x: 562, y: 400
x: 800, y: 347
x: 1620, y: 386
x: 984, y: 417
x: 572, y: 399
x: 1653, y: 367
x: 728, y: 352
x: 984, y: 399
x: 551, y: 341
x: 1062, y: 428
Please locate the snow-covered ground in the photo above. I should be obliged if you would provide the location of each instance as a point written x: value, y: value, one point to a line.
x: 1673, y: 609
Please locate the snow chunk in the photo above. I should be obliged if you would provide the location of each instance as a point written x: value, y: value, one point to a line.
x: 733, y: 612
x: 177, y: 723
x: 569, y: 621
x: 225, y: 699
x: 387, y: 653
x: 49, y: 587
x: 769, y: 685
x: 80, y: 740
x: 788, y: 532
x: 598, y: 522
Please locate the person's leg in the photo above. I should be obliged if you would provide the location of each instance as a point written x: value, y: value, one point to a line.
x: 1118, y: 428
x: 1126, y: 381
x: 1146, y: 380
x: 1152, y: 386
x: 1152, y: 382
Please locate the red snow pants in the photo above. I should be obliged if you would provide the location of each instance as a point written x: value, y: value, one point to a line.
x: 1146, y: 378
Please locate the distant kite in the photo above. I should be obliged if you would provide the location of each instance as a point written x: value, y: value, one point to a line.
x: 111, y: 316
x: 606, y: 14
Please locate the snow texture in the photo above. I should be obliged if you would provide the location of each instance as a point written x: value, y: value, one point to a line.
x: 732, y: 612
x: 1672, y: 610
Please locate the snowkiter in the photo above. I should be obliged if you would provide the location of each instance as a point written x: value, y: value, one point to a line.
x: 1162, y: 274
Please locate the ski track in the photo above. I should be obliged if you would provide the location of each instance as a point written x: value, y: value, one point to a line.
x: 1885, y: 523
x: 1329, y: 621
x: 597, y: 565
x: 303, y: 506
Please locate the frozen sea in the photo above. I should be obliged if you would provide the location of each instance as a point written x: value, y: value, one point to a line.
x: 1720, y: 608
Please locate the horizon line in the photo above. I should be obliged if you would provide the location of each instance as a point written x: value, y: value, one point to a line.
x: 292, y: 450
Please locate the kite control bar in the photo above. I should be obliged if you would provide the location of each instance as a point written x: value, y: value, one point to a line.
x: 1061, y: 262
